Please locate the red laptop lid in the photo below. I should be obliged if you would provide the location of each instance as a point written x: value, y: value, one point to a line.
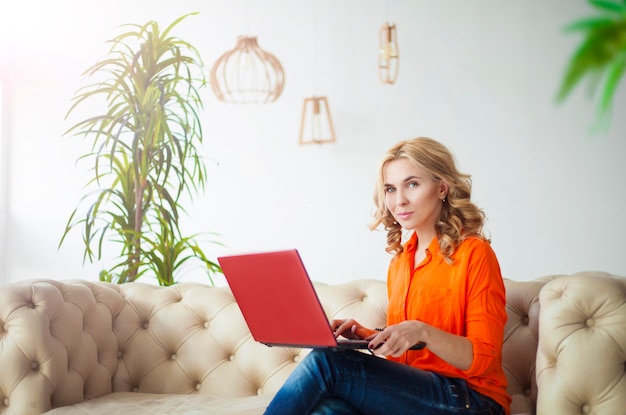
x: 277, y: 299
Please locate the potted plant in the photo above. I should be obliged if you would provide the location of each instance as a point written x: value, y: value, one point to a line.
x: 600, y: 56
x: 144, y: 155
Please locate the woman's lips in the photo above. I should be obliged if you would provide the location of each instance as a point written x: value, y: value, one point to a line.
x: 404, y: 215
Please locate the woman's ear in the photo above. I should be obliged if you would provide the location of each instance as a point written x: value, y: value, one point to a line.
x: 444, y: 188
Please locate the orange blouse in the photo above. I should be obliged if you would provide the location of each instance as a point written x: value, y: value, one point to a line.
x: 466, y: 298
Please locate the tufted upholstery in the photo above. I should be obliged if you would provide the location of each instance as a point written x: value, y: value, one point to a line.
x: 57, y: 345
x: 521, y: 335
x: 79, y: 347
x: 65, y: 342
x: 581, y: 362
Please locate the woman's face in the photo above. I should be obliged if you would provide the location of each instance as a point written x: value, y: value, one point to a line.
x: 411, y: 195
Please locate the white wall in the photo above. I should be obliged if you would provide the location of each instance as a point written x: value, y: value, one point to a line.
x: 3, y: 187
x: 478, y: 75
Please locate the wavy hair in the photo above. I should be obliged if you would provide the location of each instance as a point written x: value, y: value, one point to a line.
x: 460, y: 218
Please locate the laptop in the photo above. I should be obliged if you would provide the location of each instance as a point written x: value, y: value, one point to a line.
x: 279, y: 303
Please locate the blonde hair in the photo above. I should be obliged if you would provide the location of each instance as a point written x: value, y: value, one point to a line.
x: 460, y: 218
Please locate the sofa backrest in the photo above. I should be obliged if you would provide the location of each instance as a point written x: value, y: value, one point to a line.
x: 191, y: 338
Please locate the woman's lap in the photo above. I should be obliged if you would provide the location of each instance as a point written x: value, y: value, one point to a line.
x: 344, y: 382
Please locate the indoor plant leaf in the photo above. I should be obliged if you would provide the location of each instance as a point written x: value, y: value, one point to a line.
x: 598, y: 58
x: 609, y: 6
x: 143, y: 152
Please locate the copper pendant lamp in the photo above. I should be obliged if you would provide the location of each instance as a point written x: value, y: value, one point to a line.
x: 247, y: 74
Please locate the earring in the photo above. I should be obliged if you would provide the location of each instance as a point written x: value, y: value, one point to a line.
x: 444, y: 199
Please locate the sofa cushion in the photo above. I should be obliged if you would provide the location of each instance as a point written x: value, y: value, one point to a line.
x: 129, y: 403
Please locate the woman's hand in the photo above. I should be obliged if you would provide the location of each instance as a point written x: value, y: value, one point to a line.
x: 351, y: 329
x: 397, y: 339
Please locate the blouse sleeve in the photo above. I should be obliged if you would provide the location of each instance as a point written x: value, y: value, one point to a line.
x: 486, y: 312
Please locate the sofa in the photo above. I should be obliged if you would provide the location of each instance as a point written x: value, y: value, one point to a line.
x: 84, y: 347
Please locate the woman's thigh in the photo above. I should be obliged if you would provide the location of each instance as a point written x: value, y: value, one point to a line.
x: 374, y: 385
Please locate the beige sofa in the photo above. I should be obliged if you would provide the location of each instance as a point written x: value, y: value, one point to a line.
x: 79, y: 347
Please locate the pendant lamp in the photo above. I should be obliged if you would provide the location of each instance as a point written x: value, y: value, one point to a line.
x: 316, y: 125
x: 388, y: 55
x: 247, y: 74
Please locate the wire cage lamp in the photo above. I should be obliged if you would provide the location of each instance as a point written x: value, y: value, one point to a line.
x: 247, y: 74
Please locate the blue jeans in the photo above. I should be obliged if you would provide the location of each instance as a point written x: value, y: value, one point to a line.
x: 346, y: 382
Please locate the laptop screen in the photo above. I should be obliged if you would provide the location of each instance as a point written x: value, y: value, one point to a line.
x: 277, y: 299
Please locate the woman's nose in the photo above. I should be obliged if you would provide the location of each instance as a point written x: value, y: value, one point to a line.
x: 401, y: 198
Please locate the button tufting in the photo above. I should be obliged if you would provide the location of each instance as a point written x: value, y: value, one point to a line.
x: 198, y: 386
x: 296, y: 358
x: 552, y: 361
x: 231, y: 357
x: 259, y: 391
x: 585, y: 409
x: 135, y: 389
x: 30, y: 304
x: 34, y: 365
x: 525, y: 320
x: 145, y: 325
x: 173, y: 356
x: 589, y: 322
x: 5, y: 402
x: 205, y: 325
x: 526, y: 392
x: 120, y: 354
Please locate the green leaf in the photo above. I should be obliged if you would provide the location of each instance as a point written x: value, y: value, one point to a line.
x: 582, y: 63
x: 591, y: 23
x: 608, y: 6
x: 615, y: 73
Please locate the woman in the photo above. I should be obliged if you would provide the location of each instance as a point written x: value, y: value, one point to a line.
x: 445, y: 290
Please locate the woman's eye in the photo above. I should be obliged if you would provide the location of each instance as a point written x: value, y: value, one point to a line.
x: 412, y: 184
x: 389, y: 189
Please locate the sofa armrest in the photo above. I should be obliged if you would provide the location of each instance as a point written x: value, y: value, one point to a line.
x: 57, y: 345
x: 519, y: 350
x: 582, y: 345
